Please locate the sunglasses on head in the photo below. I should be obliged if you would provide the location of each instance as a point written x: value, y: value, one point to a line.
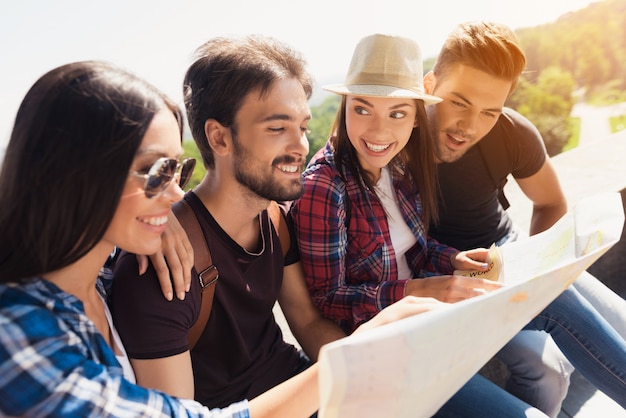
x: 163, y: 172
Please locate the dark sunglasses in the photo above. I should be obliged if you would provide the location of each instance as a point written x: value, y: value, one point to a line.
x: 163, y: 172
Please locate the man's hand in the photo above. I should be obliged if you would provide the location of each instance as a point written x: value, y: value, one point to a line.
x: 405, y: 307
x: 176, y: 248
x: 450, y: 288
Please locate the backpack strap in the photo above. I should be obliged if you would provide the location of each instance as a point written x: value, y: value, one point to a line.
x: 207, y: 272
x: 496, y: 158
x: 280, y: 225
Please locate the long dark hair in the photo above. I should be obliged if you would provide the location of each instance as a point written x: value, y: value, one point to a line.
x: 73, y: 142
x: 417, y: 157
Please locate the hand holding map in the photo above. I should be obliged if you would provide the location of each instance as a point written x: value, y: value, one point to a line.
x: 358, y: 377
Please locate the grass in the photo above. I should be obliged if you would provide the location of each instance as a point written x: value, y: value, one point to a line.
x: 618, y: 123
x: 574, y: 138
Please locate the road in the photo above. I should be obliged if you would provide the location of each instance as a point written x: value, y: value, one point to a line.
x: 594, y: 120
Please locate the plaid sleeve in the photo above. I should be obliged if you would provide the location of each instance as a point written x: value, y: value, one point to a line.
x: 50, y: 370
x: 438, y: 259
x: 320, y: 222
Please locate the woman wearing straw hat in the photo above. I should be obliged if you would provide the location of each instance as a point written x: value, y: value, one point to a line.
x: 60, y: 353
x: 369, y: 195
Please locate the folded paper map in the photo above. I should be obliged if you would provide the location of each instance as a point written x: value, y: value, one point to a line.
x: 410, y: 368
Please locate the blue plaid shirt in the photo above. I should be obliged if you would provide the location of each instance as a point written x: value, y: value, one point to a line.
x: 345, y: 246
x: 55, y: 363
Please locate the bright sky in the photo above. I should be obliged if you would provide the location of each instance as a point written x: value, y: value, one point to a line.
x: 155, y: 38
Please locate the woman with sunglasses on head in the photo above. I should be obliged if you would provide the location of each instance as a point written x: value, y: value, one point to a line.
x: 93, y: 164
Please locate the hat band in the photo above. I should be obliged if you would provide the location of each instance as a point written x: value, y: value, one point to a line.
x: 394, y: 80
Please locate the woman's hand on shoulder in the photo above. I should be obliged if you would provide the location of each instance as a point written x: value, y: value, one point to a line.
x: 175, y: 273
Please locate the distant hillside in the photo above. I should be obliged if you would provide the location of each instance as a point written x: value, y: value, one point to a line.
x: 580, y: 51
x: 590, y: 44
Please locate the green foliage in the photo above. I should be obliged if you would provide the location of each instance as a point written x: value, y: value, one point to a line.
x: 574, y: 124
x: 555, y: 131
x: 583, y: 50
x: 321, y: 123
x: 618, y: 123
x: 609, y: 93
x: 590, y: 44
x: 547, y: 102
x: 429, y: 64
x: 190, y: 150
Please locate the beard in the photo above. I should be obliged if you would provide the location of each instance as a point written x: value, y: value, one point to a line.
x: 261, y: 182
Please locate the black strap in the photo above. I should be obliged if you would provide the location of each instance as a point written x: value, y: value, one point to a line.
x: 495, y: 156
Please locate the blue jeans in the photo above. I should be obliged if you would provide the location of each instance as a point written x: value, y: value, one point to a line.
x: 480, y: 398
x: 539, y: 371
x: 593, y: 347
x: 608, y: 303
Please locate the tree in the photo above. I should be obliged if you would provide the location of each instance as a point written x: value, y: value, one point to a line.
x: 589, y: 43
x: 190, y: 150
x: 548, y: 103
x: 321, y: 123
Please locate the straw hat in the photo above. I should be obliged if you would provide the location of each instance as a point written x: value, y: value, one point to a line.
x: 386, y: 66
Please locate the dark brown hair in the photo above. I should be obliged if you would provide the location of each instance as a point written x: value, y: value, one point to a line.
x: 225, y: 71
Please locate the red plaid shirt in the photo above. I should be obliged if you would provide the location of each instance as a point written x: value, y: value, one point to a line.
x: 349, y: 262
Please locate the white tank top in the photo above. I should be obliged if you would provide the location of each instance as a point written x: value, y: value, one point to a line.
x: 129, y: 374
